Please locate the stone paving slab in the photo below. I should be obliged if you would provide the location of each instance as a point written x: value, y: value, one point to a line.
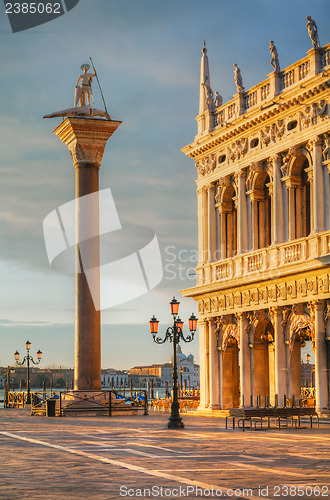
x: 137, y: 457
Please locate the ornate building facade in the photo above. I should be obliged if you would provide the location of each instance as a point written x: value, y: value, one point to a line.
x: 263, y: 163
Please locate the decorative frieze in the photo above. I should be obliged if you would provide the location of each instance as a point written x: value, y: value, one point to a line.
x: 285, y: 293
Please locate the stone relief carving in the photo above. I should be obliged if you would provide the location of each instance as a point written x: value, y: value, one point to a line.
x: 299, y: 320
x: 254, y: 169
x: 238, y: 149
x: 311, y: 113
x: 207, y: 165
x: 326, y: 147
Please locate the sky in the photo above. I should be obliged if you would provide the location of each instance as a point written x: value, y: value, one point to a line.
x: 147, y: 54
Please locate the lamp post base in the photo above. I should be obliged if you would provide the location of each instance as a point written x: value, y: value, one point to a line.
x: 175, y: 421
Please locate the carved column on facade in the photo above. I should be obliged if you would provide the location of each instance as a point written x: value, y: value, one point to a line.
x: 200, y: 224
x: 255, y: 197
x: 291, y: 185
x: 213, y: 366
x: 315, y: 147
x: 203, y: 366
x: 276, y: 314
x: 326, y: 163
x: 244, y: 364
x: 277, y: 201
x: 321, y: 379
x: 242, y: 220
x: 205, y: 225
x: 211, y: 224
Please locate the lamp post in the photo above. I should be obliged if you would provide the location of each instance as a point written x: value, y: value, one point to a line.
x: 174, y: 334
x: 27, y: 359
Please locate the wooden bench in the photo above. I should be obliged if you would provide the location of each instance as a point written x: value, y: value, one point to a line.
x: 258, y: 416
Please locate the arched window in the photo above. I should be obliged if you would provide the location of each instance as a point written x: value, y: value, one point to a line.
x: 306, y: 201
x: 228, y: 223
x: 299, y: 194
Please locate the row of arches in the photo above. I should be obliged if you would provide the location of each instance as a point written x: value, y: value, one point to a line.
x: 261, y: 371
x: 260, y: 219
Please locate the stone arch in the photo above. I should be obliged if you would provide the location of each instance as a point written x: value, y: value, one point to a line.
x: 226, y: 199
x: 299, y: 320
x: 229, y: 331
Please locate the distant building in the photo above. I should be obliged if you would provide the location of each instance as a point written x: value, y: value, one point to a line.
x: 161, y: 373
x: 119, y: 378
x: 307, y: 375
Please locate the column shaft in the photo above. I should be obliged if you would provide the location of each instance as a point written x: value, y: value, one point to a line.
x: 88, y: 320
x: 321, y: 379
x: 213, y: 367
x: 277, y: 203
x: 317, y: 188
x: 242, y: 232
x: 280, y: 356
x: 212, y: 231
x: 202, y: 366
x: 244, y: 361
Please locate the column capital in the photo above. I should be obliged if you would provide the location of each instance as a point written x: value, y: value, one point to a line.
x: 86, y: 138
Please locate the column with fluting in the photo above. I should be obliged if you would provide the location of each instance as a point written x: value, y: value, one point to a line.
x: 86, y: 139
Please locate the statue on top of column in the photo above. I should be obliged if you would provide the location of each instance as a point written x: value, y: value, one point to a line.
x: 82, y: 98
x: 274, y: 60
x: 238, y: 79
x: 312, y: 31
x: 85, y: 90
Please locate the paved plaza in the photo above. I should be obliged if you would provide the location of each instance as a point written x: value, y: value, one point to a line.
x: 134, y: 457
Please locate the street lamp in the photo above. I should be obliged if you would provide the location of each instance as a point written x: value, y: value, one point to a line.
x: 174, y: 334
x: 27, y: 359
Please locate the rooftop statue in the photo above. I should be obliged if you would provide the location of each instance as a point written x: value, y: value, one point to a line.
x: 82, y: 98
x: 274, y: 60
x: 218, y: 101
x: 238, y: 79
x: 312, y: 31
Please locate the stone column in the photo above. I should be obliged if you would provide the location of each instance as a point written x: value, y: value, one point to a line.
x: 205, y: 226
x: 242, y: 222
x: 277, y: 202
x: 280, y: 356
x: 254, y: 222
x: 220, y: 375
x: 244, y: 360
x: 211, y: 225
x: 295, y: 370
x: 200, y: 224
x: 321, y: 379
x: 317, y: 202
x: 203, y: 376
x: 86, y: 139
x: 223, y: 242
x: 213, y: 367
x: 291, y: 213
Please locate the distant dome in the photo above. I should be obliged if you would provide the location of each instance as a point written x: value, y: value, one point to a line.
x: 179, y: 354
